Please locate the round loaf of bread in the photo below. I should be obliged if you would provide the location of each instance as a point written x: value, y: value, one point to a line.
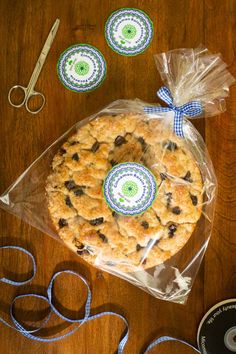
x: 81, y: 215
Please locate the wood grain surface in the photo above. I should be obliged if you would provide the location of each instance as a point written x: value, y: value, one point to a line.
x: 24, y: 27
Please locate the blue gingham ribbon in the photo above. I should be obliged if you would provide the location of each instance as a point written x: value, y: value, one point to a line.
x: 30, y: 334
x: 169, y: 339
x: 49, y: 300
x: 23, y: 250
x: 190, y: 109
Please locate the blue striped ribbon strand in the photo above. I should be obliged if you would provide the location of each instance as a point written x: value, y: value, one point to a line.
x: 190, y: 109
x: 169, y: 339
x: 49, y: 300
x: 79, y: 322
x: 19, y: 283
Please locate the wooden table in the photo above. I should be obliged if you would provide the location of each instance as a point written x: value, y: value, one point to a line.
x: 24, y: 27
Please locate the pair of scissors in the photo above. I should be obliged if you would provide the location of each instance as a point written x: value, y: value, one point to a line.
x: 28, y: 92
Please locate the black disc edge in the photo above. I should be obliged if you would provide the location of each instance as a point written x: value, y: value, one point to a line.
x: 213, y: 308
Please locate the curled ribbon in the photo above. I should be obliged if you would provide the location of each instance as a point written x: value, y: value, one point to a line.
x: 79, y: 322
x: 190, y: 109
x: 49, y: 300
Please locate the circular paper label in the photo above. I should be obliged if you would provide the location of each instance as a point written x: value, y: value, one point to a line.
x: 129, y: 31
x: 81, y: 68
x: 129, y: 188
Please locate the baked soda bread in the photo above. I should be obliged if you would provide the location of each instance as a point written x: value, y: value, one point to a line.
x: 83, y: 218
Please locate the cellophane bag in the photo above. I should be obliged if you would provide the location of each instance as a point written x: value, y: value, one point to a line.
x: 131, y: 189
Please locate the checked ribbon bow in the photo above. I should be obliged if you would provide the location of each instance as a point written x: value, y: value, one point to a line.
x: 190, y: 109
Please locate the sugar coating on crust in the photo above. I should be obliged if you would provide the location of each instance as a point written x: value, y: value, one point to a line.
x: 86, y: 223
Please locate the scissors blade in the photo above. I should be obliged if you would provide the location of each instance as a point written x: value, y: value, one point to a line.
x: 42, y: 57
x: 50, y: 38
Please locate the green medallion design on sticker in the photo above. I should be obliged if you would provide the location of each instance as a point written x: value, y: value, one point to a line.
x: 82, y: 68
x: 129, y: 31
x: 130, y: 188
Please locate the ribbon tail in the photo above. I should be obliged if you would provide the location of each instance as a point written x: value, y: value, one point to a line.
x: 169, y: 339
x: 178, y: 124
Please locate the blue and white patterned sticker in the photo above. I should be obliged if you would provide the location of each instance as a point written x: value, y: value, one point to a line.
x: 81, y: 68
x: 129, y: 188
x: 129, y: 31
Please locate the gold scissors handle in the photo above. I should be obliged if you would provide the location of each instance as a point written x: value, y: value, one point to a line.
x: 29, y: 90
x: 17, y: 88
x: 26, y: 98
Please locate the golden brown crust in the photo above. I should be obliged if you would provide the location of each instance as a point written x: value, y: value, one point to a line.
x: 79, y: 211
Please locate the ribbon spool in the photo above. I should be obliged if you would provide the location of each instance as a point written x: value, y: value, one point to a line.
x: 217, y: 330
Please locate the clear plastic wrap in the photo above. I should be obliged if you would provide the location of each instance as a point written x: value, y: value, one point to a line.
x: 63, y: 193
